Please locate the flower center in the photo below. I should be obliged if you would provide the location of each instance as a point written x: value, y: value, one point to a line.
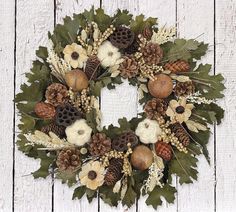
x: 110, y: 54
x: 81, y: 132
x: 74, y: 55
x: 180, y: 109
x: 146, y: 125
x: 92, y: 175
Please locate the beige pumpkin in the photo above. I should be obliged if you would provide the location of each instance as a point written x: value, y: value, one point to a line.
x: 161, y: 87
x: 142, y: 157
x: 77, y: 80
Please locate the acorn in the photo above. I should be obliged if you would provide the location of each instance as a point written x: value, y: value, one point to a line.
x: 161, y: 87
x: 141, y: 157
x: 77, y: 80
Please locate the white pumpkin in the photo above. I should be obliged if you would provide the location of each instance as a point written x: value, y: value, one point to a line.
x: 79, y: 133
x: 148, y: 131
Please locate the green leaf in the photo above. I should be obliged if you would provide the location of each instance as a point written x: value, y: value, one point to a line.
x: 27, y: 123
x: 45, y: 163
x: 79, y: 192
x: 210, y: 86
x: 103, y: 20
x: 139, y: 23
x: 42, y: 53
x: 184, y: 166
x: 108, y: 196
x: 154, y: 198
x: 67, y: 177
x: 130, y: 195
x: 122, y: 18
x: 91, y: 119
x: 91, y: 194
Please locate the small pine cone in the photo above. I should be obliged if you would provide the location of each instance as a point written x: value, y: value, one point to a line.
x: 147, y: 32
x: 184, y: 88
x: 163, y: 150
x: 155, y: 108
x: 68, y: 160
x: 67, y: 115
x: 58, y: 130
x: 152, y: 53
x: 44, y: 110
x: 91, y: 68
x: 120, y: 143
x: 132, y: 48
x: 129, y: 67
x: 99, y: 145
x: 114, y: 171
x: 56, y: 94
x: 122, y: 37
x: 180, y: 133
x: 177, y: 66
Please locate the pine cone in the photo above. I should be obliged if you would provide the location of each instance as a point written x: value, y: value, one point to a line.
x: 155, y: 108
x: 67, y: 115
x: 163, y: 150
x: 184, y: 88
x: 152, y: 53
x: 114, y: 171
x: 129, y: 67
x: 68, y: 160
x: 52, y: 127
x: 56, y: 94
x: 91, y: 68
x: 132, y: 48
x: 122, y: 37
x: 180, y: 133
x: 99, y: 145
x: 44, y: 110
x: 177, y: 66
x: 147, y: 32
x: 120, y: 143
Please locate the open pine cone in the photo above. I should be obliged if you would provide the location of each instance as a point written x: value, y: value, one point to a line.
x: 184, y: 88
x: 99, y: 145
x: 155, y: 108
x: 53, y: 127
x: 56, y: 94
x: 163, y: 150
x: 180, y: 133
x: 44, y: 110
x: 114, y: 171
x: 177, y: 66
x: 68, y: 160
x: 129, y: 67
x: 91, y: 68
x: 152, y: 53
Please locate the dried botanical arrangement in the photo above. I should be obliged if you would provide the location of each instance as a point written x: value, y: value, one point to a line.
x: 61, y: 117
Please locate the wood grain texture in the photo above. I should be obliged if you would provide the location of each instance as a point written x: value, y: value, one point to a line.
x: 7, y: 13
x: 62, y: 194
x: 225, y: 133
x: 34, y: 19
x: 189, y: 25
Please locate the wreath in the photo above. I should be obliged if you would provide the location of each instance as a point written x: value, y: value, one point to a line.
x: 60, y: 115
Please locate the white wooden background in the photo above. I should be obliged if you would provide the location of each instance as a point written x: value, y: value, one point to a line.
x: 23, y: 27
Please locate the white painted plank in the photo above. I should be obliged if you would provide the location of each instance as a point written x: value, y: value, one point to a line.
x: 150, y: 8
x: 195, y: 18
x: 7, y: 14
x: 225, y: 133
x: 62, y: 194
x: 34, y: 19
x: 165, y: 11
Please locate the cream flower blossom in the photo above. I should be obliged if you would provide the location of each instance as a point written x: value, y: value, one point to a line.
x: 108, y: 54
x: 92, y: 175
x: 179, y: 111
x: 148, y: 131
x: 75, y: 55
x: 78, y: 133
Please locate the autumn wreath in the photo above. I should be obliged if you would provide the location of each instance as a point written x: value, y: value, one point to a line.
x: 60, y: 115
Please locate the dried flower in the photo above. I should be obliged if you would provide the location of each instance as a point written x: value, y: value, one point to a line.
x: 92, y: 175
x: 179, y: 111
x: 75, y: 55
x: 163, y: 35
x: 195, y: 126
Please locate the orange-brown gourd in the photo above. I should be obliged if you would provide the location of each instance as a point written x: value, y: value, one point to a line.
x: 142, y: 157
x: 76, y: 79
x: 161, y: 87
